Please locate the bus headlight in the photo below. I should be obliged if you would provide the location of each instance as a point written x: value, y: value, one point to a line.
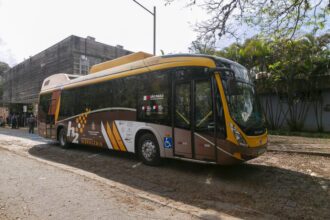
x: 241, y: 141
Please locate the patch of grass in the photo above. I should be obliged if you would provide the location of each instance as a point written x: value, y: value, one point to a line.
x: 300, y: 133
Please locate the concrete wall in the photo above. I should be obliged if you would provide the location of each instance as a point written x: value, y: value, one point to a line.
x: 95, y: 53
x: 275, y: 108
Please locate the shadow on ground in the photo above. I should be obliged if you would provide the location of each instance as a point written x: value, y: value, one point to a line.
x: 248, y: 191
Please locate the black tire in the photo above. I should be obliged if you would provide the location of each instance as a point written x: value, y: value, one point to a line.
x: 148, y: 150
x: 62, y: 139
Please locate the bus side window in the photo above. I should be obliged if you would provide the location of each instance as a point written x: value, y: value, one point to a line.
x: 153, y: 97
x: 204, y: 120
x: 67, y: 104
x: 126, y: 90
x: 44, y: 106
x: 182, y: 106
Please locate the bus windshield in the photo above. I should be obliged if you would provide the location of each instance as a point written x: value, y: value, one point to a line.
x: 242, y: 101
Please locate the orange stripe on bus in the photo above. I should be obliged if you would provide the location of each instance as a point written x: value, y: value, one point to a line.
x: 112, y: 138
x: 118, y: 138
x: 57, y: 108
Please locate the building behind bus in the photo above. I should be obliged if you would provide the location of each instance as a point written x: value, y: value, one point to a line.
x: 74, y: 55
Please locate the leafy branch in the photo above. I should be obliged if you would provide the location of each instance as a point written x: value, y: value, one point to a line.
x: 275, y: 18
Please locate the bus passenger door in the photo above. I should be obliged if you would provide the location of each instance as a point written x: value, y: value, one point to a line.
x: 49, y: 121
x: 51, y: 116
x: 194, y: 127
x: 182, y: 120
x: 204, y: 121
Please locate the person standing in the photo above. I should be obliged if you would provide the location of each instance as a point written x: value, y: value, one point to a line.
x: 14, y: 121
x: 31, y: 123
x: 8, y: 120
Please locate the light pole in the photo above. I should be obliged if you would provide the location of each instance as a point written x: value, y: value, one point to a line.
x: 153, y: 14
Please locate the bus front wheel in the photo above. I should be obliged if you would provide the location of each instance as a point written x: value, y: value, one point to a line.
x: 148, y: 150
x: 62, y: 138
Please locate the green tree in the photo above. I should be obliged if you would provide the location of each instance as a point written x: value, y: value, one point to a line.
x: 200, y: 47
x: 232, y: 52
x: 295, y: 70
x: 318, y: 64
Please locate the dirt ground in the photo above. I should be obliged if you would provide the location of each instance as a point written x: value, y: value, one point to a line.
x: 277, y: 139
x: 312, y: 146
x: 277, y: 185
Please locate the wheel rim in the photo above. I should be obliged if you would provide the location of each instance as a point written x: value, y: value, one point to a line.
x: 149, y: 150
x: 62, y: 138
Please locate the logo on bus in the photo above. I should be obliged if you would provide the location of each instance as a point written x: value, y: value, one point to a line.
x: 72, y: 133
x: 167, y: 142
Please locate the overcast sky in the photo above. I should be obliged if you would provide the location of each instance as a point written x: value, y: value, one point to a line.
x: 30, y: 26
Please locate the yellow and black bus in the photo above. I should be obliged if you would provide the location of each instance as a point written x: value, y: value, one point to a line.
x: 192, y: 107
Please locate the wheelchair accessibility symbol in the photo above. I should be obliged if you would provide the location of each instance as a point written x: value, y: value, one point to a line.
x: 167, y: 142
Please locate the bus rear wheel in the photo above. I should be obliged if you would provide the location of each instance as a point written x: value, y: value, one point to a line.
x: 148, y: 150
x: 62, y: 139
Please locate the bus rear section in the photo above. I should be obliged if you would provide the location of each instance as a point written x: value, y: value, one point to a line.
x: 47, y: 114
x: 193, y: 108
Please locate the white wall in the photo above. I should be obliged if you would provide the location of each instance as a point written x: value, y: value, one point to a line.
x: 279, y: 108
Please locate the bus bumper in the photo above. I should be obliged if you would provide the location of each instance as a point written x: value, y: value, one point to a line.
x: 228, y: 154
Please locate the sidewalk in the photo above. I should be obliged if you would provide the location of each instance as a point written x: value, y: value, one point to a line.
x: 302, y: 145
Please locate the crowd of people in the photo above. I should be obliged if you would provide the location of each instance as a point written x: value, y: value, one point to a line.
x: 16, y: 120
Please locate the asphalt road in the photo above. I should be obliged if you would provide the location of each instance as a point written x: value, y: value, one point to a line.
x: 39, y: 180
